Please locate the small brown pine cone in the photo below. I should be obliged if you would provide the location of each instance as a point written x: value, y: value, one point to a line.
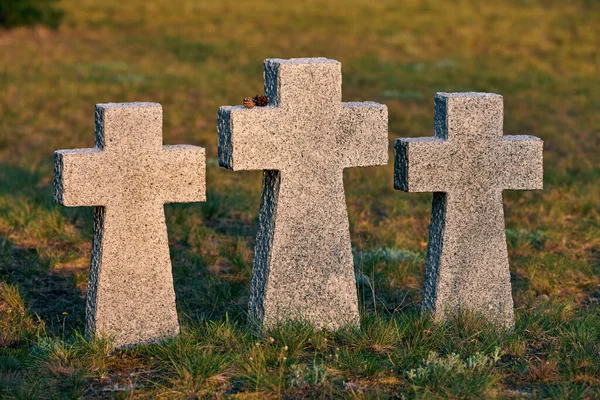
x: 248, y: 102
x: 260, y: 100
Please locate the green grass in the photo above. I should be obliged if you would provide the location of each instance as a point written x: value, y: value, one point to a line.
x: 194, y: 56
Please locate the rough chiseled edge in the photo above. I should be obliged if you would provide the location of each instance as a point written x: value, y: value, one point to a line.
x: 133, y: 104
x: 99, y: 125
x: 401, y: 165
x: 522, y: 137
x: 364, y: 104
x: 271, y: 79
x: 224, y: 130
x: 440, y: 116
x: 59, y: 167
x: 466, y: 95
x: 95, y: 269
x: 434, y: 251
x: 264, y: 241
x: 303, y: 61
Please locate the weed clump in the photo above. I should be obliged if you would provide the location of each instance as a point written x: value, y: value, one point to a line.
x: 16, y: 322
x: 454, y: 377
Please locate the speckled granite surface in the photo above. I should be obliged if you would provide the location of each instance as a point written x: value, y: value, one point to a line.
x: 304, y: 138
x: 467, y: 164
x: 128, y: 176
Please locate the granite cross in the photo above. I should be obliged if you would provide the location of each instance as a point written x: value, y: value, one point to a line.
x: 467, y: 164
x: 304, y: 138
x: 128, y: 176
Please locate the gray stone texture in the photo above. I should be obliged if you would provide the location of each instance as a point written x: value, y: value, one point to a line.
x: 304, y: 138
x: 467, y: 164
x: 128, y: 176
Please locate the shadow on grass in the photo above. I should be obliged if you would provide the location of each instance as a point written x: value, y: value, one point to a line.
x: 211, y: 252
x: 30, y: 239
x: 53, y: 296
x: 45, y: 251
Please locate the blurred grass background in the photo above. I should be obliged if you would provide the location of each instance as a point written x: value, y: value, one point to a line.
x: 194, y: 56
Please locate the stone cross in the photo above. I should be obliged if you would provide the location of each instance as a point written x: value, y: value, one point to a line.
x: 467, y: 164
x: 128, y: 176
x: 304, y: 138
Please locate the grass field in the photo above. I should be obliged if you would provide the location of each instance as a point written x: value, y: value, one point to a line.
x: 192, y: 57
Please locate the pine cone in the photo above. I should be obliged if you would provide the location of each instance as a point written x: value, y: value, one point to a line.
x: 260, y: 100
x: 248, y: 102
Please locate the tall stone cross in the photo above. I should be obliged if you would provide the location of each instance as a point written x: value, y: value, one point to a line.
x: 467, y: 164
x: 128, y: 176
x: 304, y: 138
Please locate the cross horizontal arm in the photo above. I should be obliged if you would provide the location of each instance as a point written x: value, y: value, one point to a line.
x: 79, y: 177
x: 523, y: 167
x: 249, y: 139
x: 420, y: 164
x: 363, y: 134
x: 182, y: 174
